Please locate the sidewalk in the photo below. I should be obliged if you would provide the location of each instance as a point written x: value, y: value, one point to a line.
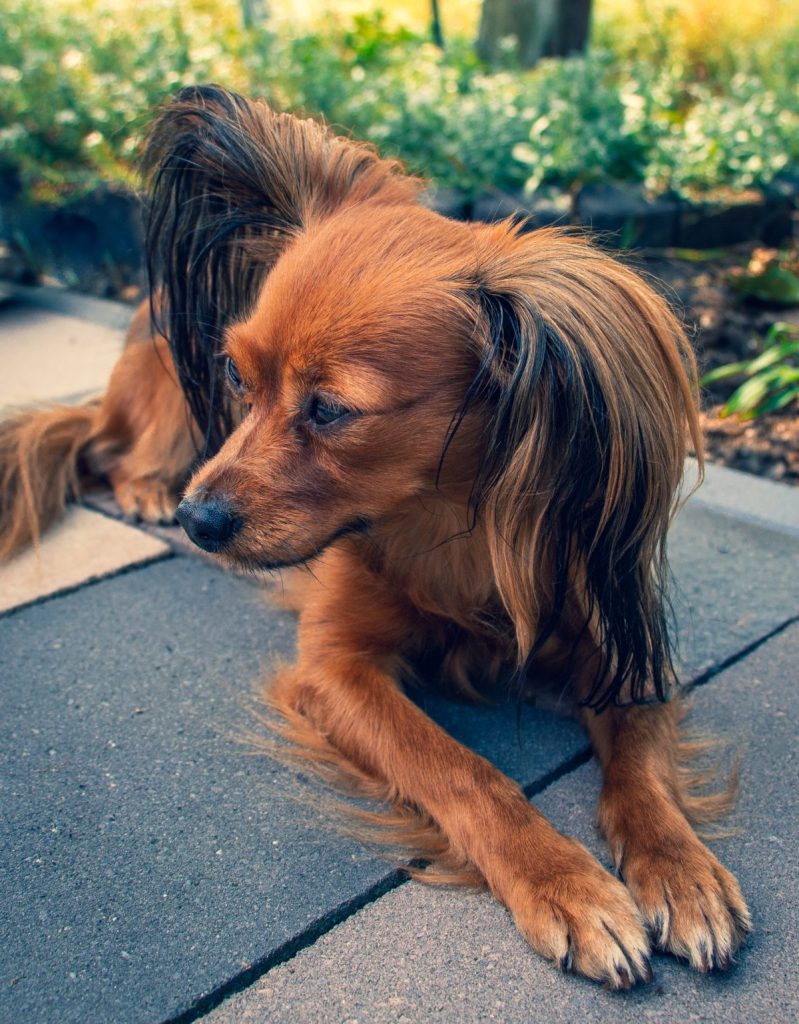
x: 153, y: 870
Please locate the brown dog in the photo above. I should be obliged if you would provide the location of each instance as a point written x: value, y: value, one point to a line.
x: 476, y: 434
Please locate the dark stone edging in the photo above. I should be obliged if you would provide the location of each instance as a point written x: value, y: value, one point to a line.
x: 85, y: 243
x: 98, y: 238
x: 626, y: 217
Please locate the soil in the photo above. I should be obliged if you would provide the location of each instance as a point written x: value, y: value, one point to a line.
x: 727, y: 328
x: 768, y: 446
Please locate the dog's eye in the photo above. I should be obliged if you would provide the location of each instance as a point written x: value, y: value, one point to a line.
x: 233, y: 375
x: 325, y: 410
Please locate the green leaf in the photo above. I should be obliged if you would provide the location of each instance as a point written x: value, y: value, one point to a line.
x: 699, y: 255
x: 724, y: 372
x: 779, y: 329
x: 775, y: 284
x: 780, y: 399
x: 774, y: 354
x: 747, y: 396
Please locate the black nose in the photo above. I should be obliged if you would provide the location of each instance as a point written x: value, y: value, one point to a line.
x: 210, y: 524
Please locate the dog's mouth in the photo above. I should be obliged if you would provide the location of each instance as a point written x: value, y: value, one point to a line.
x: 291, y: 559
x: 215, y: 528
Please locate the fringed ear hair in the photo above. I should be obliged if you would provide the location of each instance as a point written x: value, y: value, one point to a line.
x: 231, y: 182
x: 587, y: 382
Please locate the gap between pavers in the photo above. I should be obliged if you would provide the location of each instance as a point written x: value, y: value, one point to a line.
x: 83, y: 547
x: 426, y: 955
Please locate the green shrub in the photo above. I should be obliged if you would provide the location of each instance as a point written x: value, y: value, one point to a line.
x: 592, y: 122
x: 640, y: 124
x: 771, y: 380
x: 78, y: 82
x: 77, y: 87
x: 740, y: 140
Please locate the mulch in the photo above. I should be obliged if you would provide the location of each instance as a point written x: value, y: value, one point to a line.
x: 727, y: 328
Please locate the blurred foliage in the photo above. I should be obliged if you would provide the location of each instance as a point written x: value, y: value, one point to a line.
x: 674, y: 94
x: 770, y: 380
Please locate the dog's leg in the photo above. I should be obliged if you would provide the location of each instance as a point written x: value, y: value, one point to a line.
x: 140, y: 437
x: 692, y: 905
x: 567, y: 906
x: 145, y: 439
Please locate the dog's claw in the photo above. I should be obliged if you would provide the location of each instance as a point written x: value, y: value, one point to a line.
x: 585, y: 921
x: 145, y: 499
x: 691, y: 905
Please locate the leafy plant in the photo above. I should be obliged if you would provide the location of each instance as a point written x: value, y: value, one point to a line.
x: 771, y: 379
x: 79, y: 78
x: 594, y: 121
x: 775, y: 284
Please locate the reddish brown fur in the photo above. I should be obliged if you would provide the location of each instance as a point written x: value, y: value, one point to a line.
x: 139, y: 438
x: 370, y: 301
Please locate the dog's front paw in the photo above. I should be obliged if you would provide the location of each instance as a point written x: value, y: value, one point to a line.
x: 576, y: 914
x: 145, y: 498
x: 692, y: 905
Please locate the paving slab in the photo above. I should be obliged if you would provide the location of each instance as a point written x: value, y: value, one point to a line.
x: 745, y: 496
x: 423, y: 955
x: 148, y: 858
x: 730, y: 588
x: 82, y: 547
x: 735, y: 580
x: 148, y: 861
x: 147, y: 855
x: 49, y: 356
x: 107, y: 312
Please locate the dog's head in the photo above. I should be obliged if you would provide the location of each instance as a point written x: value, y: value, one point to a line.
x: 379, y: 354
x: 350, y: 369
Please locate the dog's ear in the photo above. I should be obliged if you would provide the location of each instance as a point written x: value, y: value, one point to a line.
x: 230, y: 183
x: 586, y: 383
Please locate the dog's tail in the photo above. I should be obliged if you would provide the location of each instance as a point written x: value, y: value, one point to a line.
x: 41, y: 468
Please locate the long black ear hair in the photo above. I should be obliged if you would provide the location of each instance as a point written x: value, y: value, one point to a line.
x: 231, y: 182
x: 587, y: 383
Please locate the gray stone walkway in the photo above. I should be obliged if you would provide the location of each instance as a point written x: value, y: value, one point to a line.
x: 152, y: 869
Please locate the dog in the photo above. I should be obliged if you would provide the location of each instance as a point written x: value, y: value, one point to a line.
x: 475, y: 434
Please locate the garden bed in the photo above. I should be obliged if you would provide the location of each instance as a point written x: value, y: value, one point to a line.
x: 768, y: 446
x: 730, y: 327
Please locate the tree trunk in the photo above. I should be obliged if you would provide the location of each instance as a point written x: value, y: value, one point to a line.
x: 435, y: 24
x: 254, y: 13
x: 541, y: 28
x: 571, y: 28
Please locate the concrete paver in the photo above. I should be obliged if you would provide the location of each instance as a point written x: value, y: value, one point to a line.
x: 423, y: 955
x: 745, y: 496
x: 729, y: 574
x: 83, y: 547
x: 148, y: 858
x: 106, y: 312
x: 48, y: 356
x: 731, y: 584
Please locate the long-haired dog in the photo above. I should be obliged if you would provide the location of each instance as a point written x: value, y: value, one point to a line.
x: 476, y: 434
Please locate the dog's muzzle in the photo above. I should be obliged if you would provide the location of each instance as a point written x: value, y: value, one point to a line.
x: 209, y: 524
